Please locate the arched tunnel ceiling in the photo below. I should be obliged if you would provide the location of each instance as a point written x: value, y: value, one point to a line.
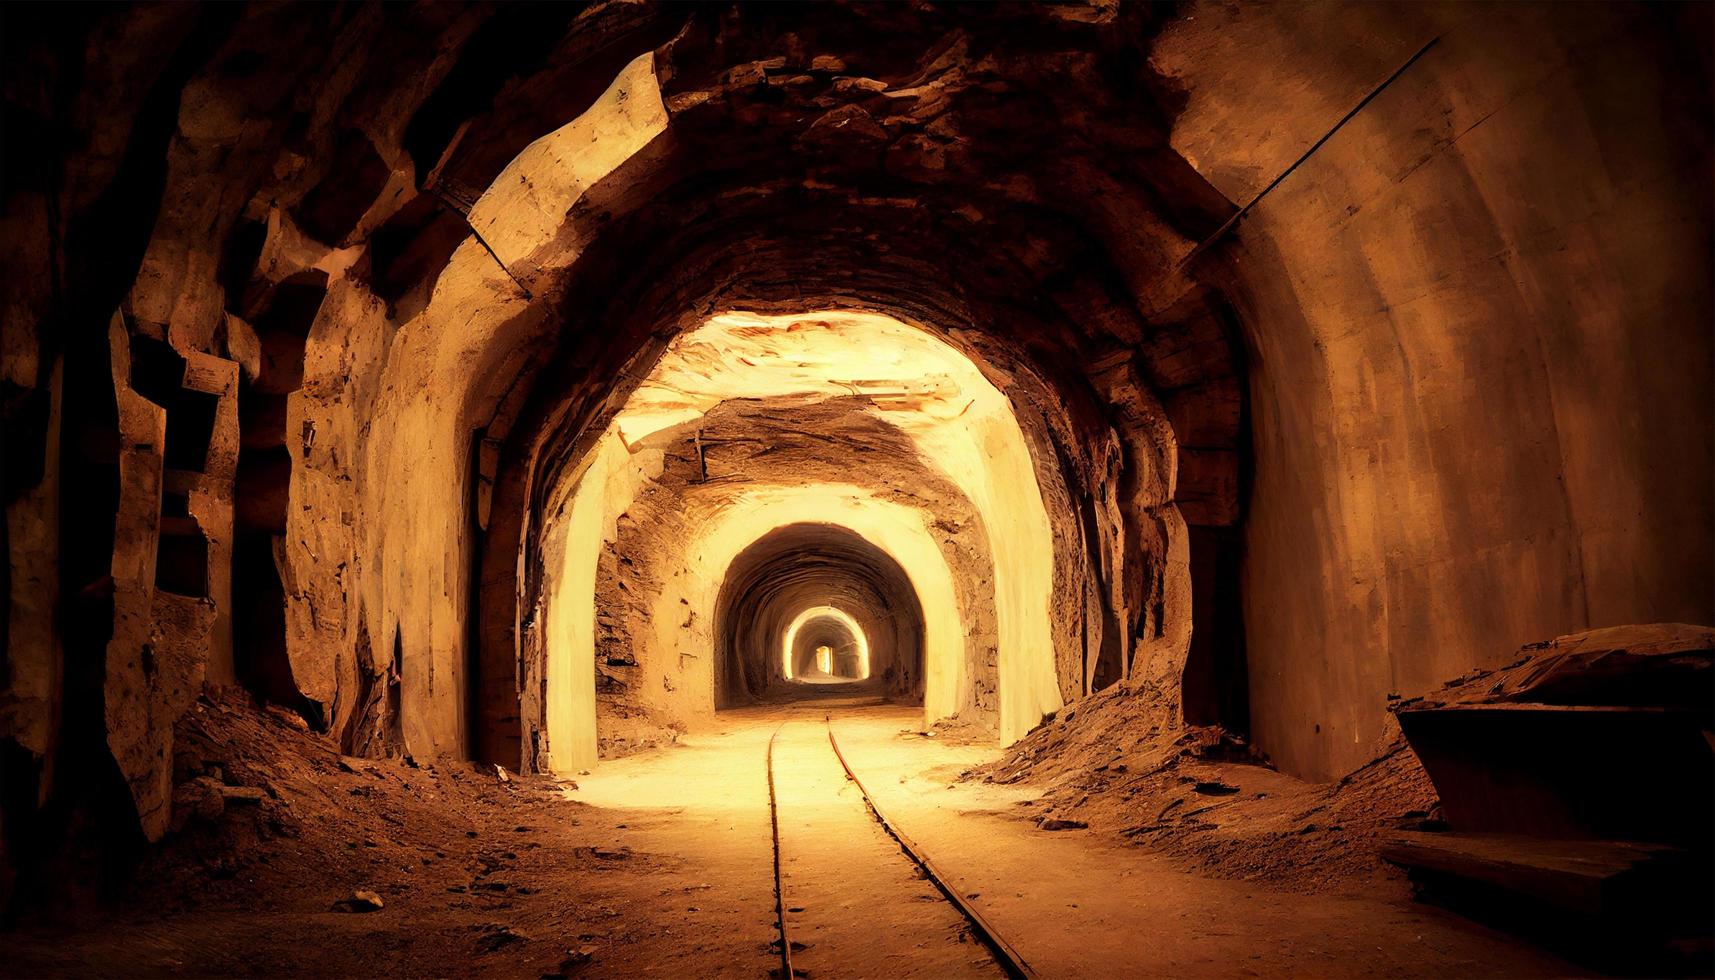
x: 838, y: 398
x: 287, y: 203
x: 785, y: 443
x: 625, y: 228
x: 954, y: 422
x: 907, y: 377
x: 825, y: 644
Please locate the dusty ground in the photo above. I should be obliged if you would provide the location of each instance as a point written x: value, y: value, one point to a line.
x: 1200, y: 795
x: 659, y: 864
x: 477, y: 876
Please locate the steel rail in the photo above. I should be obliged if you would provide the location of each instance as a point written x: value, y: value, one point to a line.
x: 779, y: 888
x: 1008, y: 957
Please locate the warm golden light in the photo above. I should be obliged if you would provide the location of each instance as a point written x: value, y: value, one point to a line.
x: 899, y: 531
x: 825, y: 665
x: 960, y: 422
x: 961, y: 426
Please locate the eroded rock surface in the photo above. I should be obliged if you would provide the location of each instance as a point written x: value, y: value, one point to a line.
x: 312, y: 321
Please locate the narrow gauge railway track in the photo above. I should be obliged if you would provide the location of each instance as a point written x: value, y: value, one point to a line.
x: 1005, y: 957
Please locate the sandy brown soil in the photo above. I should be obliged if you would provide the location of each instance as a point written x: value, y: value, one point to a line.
x: 659, y: 865
x: 1200, y: 795
x: 850, y: 896
x: 1083, y: 902
x: 477, y: 875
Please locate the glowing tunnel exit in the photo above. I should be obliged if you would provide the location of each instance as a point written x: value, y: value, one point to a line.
x: 829, y: 653
x: 670, y: 588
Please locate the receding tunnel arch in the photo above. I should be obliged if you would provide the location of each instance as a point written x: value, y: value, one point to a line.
x: 427, y: 296
x: 825, y: 644
x: 795, y: 578
x: 947, y: 443
x: 673, y: 636
x: 646, y: 252
x: 958, y: 422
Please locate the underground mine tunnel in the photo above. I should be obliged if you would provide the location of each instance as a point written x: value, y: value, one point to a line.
x: 858, y: 489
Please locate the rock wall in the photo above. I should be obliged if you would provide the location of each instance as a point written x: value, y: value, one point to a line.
x: 1479, y: 319
x: 1439, y: 391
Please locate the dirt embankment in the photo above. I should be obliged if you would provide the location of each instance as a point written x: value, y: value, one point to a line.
x: 1201, y: 795
x: 288, y: 858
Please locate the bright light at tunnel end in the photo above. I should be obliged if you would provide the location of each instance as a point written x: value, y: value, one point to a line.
x: 904, y: 376
x: 826, y: 612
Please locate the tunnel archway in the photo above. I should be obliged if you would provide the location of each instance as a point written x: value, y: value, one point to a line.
x: 856, y: 594
x: 1294, y: 462
x: 659, y: 232
x: 804, y: 391
x: 674, y: 616
x: 825, y: 645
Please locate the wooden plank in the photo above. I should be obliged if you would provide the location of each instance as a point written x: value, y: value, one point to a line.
x: 1577, y: 875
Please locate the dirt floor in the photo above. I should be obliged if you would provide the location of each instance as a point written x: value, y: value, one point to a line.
x: 1202, y: 796
x: 659, y: 864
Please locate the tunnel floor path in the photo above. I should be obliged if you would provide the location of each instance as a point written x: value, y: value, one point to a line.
x: 661, y: 865
x: 851, y: 896
x: 1074, y: 903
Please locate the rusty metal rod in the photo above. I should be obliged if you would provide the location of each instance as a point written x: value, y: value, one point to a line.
x: 779, y: 889
x: 1008, y: 957
x: 1239, y: 215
